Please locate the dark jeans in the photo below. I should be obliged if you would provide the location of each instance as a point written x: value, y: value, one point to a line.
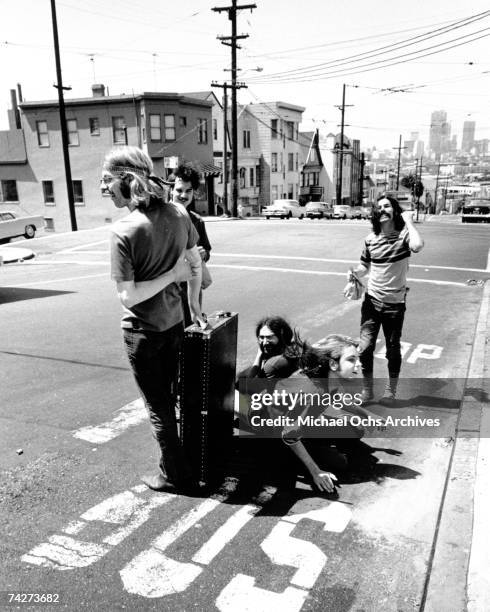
x: 376, y: 314
x: 154, y: 359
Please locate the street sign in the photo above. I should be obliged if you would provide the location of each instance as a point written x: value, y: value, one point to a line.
x: 171, y: 162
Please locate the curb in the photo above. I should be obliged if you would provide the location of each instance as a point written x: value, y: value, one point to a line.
x: 13, y: 254
x: 458, y: 576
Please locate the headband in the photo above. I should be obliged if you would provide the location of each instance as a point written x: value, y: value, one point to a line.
x: 124, y: 169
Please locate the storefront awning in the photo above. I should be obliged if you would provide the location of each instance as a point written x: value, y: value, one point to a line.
x: 210, y: 169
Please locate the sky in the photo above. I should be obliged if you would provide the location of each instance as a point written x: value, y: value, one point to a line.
x: 298, y: 52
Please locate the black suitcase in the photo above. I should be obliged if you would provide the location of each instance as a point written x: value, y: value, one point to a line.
x: 207, y: 394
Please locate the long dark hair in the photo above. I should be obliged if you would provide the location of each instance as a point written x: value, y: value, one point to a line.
x: 288, y: 337
x: 397, y: 215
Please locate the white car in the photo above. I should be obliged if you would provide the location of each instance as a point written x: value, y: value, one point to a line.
x: 342, y: 211
x: 319, y: 210
x: 12, y: 225
x: 284, y: 209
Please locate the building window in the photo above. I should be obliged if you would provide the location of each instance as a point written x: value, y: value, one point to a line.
x: 274, y: 133
x: 94, y: 126
x: 155, y: 127
x: 215, y: 129
x: 183, y: 121
x: 274, y: 192
x: 290, y: 130
x: 169, y: 122
x: 202, y: 131
x: 246, y: 139
x: 274, y: 162
x: 78, y: 193
x: 8, y: 191
x: 297, y: 162
x: 290, y: 191
x: 290, y: 162
x: 312, y: 158
x: 42, y: 133
x: 243, y: 173
x: 48, y: 192
x: 251, y: 174
x: 119, y: 131
x: 72, y: 129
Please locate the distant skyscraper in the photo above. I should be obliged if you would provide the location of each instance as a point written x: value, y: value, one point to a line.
x: 440, y: 133
x: 468, y: 136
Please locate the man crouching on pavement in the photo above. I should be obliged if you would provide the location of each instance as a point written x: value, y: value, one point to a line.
x: 152, y: 250
x: 385, y: 256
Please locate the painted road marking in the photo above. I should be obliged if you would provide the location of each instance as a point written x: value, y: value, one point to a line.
x: 346, y: 261
x: 129, y: 415
x: 57, y: 280
x: 81, y: 247
x: 421, y: 351
x: 241, y: 594
x: 64, y: 552
x: 153, y: 574
x: 325, y: 273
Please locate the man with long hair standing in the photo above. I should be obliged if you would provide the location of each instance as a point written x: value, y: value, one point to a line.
x: 385, y: 256
x: 153, y: 249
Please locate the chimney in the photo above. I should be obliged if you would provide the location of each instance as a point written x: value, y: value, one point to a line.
x: 19, y: 93
x: 15, y: 108
x: 98, y: 90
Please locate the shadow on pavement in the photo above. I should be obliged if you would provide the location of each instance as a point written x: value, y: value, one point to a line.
x: 17, y: 294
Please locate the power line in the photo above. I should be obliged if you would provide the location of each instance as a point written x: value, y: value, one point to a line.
x: 380, y: 50
x: 336, y: 74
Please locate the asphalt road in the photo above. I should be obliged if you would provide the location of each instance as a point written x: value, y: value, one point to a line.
x: 76, y: 520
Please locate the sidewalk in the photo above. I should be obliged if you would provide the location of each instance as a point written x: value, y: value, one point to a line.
x: 459, y: 571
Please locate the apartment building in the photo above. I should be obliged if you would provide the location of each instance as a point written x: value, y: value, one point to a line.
x: 321, y: 170
x: 170, y: 127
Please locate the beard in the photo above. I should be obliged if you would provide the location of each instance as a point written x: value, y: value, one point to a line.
x: 270, y: 350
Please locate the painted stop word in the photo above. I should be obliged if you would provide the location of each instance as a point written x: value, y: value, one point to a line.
x: 154, y: 574
x: 420, y: 351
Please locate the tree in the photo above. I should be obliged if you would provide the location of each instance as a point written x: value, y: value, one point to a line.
x: 413, y: 183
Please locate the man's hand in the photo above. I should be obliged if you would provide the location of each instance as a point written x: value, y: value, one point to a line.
x: 202, y: 252
x: 196, y: 314
x: 325, y: 481
x: 407, y: 216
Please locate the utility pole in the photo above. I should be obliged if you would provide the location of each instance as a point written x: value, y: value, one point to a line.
x: 437, y: 186
x: 416, y: 184
x: 341, y: 164
x: 64, y: 131
x: 226, y: 209
x: 361, y: 181
x: 399, y: 148
x: 231, y: 42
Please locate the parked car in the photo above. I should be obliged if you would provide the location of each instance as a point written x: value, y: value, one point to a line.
x: 476, y: 211
x: 366, y: 212
x: 356, y: 212
x: 284, y: 209
x: 13, y: 225
x: 319, y: 210
x: 342, y: 211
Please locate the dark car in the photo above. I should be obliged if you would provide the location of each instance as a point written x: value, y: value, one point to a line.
x: 476, y: 211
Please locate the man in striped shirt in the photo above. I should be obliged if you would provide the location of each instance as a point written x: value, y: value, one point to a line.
x: 385, y: 257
